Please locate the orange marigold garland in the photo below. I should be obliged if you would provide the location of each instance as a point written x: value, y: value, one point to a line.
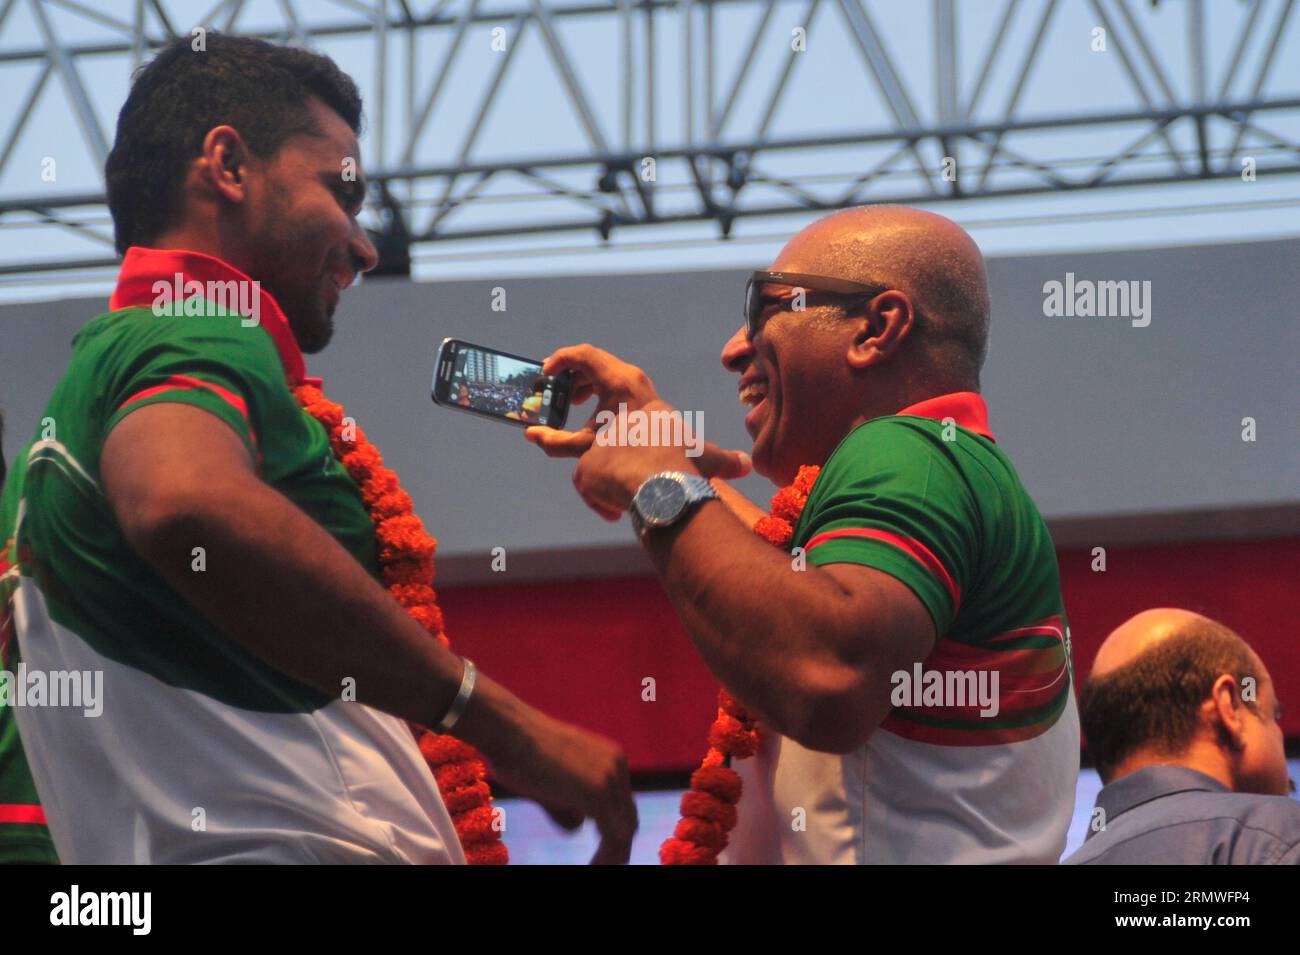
x: 406, y: 561
x: 709, y: 807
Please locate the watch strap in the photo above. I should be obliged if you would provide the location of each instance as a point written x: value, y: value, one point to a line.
x: 697, y: 488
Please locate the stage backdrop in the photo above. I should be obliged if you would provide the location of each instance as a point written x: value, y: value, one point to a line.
x: 1130, y: 438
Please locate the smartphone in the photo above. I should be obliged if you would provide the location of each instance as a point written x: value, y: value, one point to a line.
x: 496, y: 384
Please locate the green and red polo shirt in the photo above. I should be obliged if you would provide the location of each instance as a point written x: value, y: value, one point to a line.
x: 928, y: 497
x: 202, y: 751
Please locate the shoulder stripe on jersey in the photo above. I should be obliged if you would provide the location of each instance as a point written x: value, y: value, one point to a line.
x: 910, y: 546
x: 60, y: 457
x: 186, y: 383
x: 22, y: 814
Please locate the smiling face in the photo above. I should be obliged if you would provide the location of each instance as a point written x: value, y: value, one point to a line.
x: 303, y: 237
x: 810, y: 376
x: 796, y: 383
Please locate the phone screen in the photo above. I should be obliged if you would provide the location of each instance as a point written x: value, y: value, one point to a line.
x: 500, y: 385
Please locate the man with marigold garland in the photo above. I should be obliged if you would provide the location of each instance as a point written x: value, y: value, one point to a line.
x: 907, y: 661
x: 197, y: 523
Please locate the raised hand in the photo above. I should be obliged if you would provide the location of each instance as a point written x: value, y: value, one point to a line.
x: 595, y: 372
x: 608, y: 473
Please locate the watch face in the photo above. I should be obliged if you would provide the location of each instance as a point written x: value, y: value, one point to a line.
x: 660, y: 500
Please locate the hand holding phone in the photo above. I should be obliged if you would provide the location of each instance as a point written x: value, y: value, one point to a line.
x: 499, y: 385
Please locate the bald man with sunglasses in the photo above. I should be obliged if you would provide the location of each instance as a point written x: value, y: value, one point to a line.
x: 910, y: 659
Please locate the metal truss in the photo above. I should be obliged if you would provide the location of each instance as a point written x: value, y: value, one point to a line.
x: 968, y: 119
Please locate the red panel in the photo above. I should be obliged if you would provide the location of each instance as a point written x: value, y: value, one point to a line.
x: 1249, y: 586
x: 580, y: 649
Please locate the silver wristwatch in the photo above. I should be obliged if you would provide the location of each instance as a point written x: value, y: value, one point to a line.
x: 663, y: 499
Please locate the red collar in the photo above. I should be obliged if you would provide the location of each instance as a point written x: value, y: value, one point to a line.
x: 966, y: 408
x: 142, y: 268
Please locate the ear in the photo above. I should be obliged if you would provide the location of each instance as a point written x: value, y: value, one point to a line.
x: 881, y: 329
x: 1227, y: 711
x: 225, y: 162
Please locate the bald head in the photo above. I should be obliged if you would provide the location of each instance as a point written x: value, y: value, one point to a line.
x: 1149, y: 628
x: 922, y: 254
x: 1146, y: 697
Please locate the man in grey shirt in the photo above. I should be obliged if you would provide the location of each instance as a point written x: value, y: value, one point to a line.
x: 1181, y: 719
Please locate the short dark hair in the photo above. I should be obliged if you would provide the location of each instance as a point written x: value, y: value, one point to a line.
x: 1151, y: 703
x: 257, y: 87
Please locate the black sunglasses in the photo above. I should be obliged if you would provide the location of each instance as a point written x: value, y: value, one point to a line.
x: 756, y: 304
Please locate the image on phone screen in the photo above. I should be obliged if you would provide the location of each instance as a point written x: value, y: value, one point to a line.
x: 499, y: 385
